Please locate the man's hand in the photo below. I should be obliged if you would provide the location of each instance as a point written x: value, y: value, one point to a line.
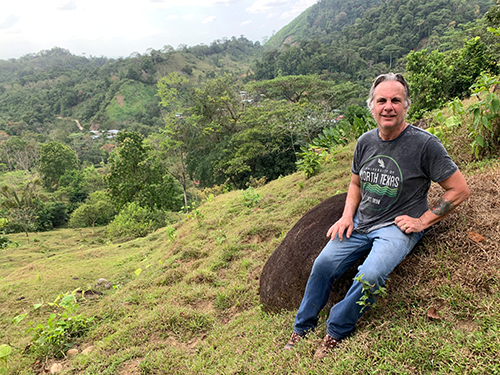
x: 343, y: 225
x: 409, y: 224
x: 456, y: 191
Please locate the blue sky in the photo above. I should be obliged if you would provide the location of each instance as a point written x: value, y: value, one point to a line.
x: 118, y: 28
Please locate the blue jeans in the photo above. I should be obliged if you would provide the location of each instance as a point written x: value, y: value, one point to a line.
x: 386, y: 248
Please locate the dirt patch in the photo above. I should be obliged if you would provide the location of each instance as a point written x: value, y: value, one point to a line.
x: 288, y: 40
x: 119, y: 99
x: 131, y: 367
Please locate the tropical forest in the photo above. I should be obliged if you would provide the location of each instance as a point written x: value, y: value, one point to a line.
x: 141, y: 197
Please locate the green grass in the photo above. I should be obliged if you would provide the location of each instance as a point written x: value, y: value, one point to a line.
x: 194, y: 308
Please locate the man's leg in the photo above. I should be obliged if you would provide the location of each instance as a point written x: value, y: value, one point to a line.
x: 336, y: 257
x: 389, y: 247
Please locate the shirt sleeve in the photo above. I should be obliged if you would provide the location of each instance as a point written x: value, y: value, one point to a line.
x: 355, y: 160
x: 436, y: 162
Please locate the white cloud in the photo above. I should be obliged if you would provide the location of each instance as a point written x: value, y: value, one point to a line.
x: 71, y: 5
x: 10, y: 21
x: 116, y: 28
x: 167, y: 4
x: 50, y: 20
x: 298, y: 8
x: 261, y: 6
x: 208, y: 19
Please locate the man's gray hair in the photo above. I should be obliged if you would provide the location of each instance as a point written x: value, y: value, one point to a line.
x: 389, y: 77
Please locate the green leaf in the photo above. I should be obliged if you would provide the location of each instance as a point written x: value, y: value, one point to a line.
x: 68, y: 301
x: 5, y: 351
x: 480, y: 140
x: 452, y: 121
x: 138, y: 272
x: 495, y: 105
x: 18, y: 319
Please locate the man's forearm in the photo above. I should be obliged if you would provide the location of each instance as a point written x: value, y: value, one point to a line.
x: 353, y: 197
x: 453, y: 196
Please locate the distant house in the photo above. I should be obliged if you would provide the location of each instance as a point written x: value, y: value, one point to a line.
x: 110, y: 133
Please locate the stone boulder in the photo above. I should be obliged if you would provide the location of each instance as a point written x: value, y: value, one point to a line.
x: 285, y: 273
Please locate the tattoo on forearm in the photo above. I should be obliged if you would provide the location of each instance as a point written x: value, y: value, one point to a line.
x: 442, y: 207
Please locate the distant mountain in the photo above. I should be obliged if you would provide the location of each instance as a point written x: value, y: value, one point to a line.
x: 327, y: 20
x: 322, y: 20
x: 359, y: 39
x: 103, y: 93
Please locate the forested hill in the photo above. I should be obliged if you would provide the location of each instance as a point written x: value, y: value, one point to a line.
x: 327, y: 19
x: 339, y: 40
x: 104, y: 93
x: 358, y: 39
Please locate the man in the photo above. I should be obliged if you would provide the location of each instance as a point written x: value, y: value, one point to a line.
x: 385, y: 213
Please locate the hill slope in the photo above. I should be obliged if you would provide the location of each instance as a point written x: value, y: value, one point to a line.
x: 36, y: 89
x: 328, y: 19
x: 186, y: 300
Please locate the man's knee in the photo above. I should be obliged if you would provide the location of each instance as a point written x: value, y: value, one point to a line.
x: 322, y: 265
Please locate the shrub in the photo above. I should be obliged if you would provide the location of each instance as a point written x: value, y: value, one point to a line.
x: 309, y: 161
x: 97, y: 210
x: 136, y: 221
x: 484, y: 130
x: 250, y: 197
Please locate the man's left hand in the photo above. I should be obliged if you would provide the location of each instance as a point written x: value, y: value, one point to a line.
x: 409, y: 224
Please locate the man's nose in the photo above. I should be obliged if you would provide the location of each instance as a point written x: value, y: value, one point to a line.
x: 388, y: 106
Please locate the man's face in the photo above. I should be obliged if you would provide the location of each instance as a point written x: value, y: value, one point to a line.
x: 388, y: 106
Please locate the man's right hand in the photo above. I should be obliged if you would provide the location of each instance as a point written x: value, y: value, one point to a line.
x: 343, y: 226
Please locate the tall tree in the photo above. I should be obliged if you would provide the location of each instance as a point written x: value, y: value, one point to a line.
x: 136, y: 175
x: 177, y: 139
x: 55, y: 160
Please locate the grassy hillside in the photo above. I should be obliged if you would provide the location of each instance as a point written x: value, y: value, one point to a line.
x: 185, y: 300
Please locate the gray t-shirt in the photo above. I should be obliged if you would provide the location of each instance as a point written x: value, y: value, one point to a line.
x: 396, y: 175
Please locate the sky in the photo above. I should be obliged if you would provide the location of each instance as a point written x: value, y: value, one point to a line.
x: 119, y: 28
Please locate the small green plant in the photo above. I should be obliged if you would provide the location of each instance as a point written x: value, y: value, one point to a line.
x: 344, y: 132
x: 221, y: 237
x: 4, y: 241
x: 484, y: 129
x: 368, y: 293
x: 250, y: 197
x: 445, y: 122
x: 134, y: 221
x: 171, y: 233
x: 192, y: 212
x: 309, y: 161
x: 57, y: 335
x: 5, y: 351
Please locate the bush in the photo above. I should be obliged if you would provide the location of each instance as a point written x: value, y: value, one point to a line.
x: 356, y: 121
x: 96, y: 210
x: 135, y: 221
x: 51, y: 215
x: 4, y: 241
x: 309, y: 161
